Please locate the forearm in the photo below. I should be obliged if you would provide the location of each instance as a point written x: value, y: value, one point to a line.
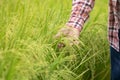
x: 80, y: 13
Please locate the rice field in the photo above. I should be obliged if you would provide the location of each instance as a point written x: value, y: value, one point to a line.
x: 28, y: 49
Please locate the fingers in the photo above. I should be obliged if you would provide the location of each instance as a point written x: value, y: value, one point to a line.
x: 74, y: 41
x: 68, y: 42
x: 61, y: 45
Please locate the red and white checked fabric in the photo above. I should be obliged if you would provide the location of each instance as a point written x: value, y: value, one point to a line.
x: 80, y: 13
x: 114, y: 24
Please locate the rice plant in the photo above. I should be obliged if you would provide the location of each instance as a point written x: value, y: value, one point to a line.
x: 28, y: 49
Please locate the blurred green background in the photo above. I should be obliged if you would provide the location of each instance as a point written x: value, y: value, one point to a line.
x: 28, y: 50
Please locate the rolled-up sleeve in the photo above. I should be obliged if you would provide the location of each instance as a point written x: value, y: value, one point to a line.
x: 80, y: 13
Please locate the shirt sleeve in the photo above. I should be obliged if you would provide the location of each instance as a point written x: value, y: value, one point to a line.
x: 80, y: 13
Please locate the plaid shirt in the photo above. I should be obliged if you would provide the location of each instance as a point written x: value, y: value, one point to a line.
x: 80, y: 13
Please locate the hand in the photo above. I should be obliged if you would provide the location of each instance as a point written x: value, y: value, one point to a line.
x: 70, y: 33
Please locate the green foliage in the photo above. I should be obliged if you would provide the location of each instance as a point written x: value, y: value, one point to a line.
x: 28, y: 50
